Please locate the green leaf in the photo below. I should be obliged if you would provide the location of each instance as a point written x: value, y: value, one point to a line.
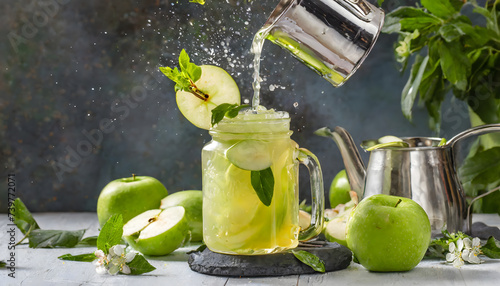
x: 185, y: 78
x: 2, y: 263
x: 482, y: 168
x: 491, y: 248
x: 87, y: 257
x: 219, y: 112
x: 41, y: 238
x: 380, y: 2
x: 225, y: 110
x: 263, y: 184
x: 22, y: 216
x: 441, y: 8
x: 111, y: 233
x: 199, y: 249
x: 88, y: 241
x: 411, y: 88
x: 409, y: 19
x: 310, y: 259
x: 140, y: 265
x: 454, y: 63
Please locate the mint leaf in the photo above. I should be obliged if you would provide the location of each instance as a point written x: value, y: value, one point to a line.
x: 310, y: 259
x: 87, y: 257
x: 140, y: 265
x: 409, y: 19
x: 41, y: 238
x: 491, y: 248
x: 411, y: 88
x: 442, y: 8
x: 187, y: 76
x: 111, y: 233
x: 454, y: 63
x: 263, y: 184
x: 225, y: 110
x: 22, y: 216
x: 88, y: 241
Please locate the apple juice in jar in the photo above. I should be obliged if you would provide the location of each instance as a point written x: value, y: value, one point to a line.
x: 235, y: 219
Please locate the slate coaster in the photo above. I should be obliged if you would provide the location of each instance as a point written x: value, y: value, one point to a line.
x: 334, y: 256
x: 483, y: 231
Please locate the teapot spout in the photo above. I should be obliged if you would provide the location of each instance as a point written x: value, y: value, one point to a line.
x: 356, y: 171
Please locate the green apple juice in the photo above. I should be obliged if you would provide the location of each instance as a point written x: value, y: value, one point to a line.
x: 235, y: 221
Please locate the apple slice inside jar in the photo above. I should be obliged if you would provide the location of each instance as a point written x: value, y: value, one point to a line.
x: 251, y: 155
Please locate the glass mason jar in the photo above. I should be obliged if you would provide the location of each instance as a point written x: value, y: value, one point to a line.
x: 235, y: 219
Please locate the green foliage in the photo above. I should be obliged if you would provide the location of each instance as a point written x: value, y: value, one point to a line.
x: 185, y: 78
x: 225, y: 110
x: 87, y: 257
x: 111, y: 233
x: 42, y: 238
x: 263, y: 184
x: 140, y: 265
x: 450, y: 53
x: 310, y: 259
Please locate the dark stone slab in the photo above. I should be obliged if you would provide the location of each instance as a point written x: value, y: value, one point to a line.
x: 483, y: 231
x: 334, y: 256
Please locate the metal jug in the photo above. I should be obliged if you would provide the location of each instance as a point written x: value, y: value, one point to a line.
x: 424, y: 172
x: 332, y: 37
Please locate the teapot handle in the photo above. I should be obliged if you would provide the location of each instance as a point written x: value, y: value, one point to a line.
x: 478, y: 130
x: 469, y: 209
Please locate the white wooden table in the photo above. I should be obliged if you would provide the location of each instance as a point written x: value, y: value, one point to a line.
x: 41, y: 266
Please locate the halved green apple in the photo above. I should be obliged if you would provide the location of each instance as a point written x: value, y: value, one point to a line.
x: 157, y: 232
x: 220, y: 88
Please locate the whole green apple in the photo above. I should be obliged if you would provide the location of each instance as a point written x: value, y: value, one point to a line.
x: 192, y: 201
x: 388, y: 233
x: 129, y: 197
x: 339, y: 189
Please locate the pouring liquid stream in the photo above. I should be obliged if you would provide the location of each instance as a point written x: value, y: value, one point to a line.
x: 256, y: 49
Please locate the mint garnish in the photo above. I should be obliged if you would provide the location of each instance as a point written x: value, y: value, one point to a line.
x: 187, y: 76
x: 310, y: 259
x: 225, y: 110
x: 263, y: 184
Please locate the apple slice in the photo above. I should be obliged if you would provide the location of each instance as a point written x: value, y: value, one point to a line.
x: 192, y: 201
x: 218, y: 85
x: 252, y: 155
x: 157, y: 232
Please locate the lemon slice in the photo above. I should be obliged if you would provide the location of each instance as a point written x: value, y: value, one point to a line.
x: 218, y: 85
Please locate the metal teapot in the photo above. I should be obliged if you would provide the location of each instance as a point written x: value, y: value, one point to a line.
x: 423, y: 171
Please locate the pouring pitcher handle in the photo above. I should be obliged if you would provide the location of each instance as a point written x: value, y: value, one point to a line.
x: 469, y: 209
x: 309, y: 160
x: 478, y: 130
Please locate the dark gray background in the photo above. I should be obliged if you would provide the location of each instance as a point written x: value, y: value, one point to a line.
x: 69, y: 66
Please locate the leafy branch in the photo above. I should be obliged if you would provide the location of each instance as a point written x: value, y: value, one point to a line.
x: 449, y: 53
x: 187, y: 76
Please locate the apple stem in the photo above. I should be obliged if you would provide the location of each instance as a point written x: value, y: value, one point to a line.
x: 133, y: 177
x: 198, y: 93
x: 398, y: 202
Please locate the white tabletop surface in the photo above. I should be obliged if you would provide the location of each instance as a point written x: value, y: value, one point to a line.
x: 41, y: 266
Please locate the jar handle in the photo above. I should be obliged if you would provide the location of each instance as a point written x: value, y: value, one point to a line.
x: 309, y: 160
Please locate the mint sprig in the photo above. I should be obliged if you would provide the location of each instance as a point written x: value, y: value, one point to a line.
x: 225, y: 110
x: 186, y: 77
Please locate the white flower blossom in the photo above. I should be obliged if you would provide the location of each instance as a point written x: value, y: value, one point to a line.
x: 455, y: 254
x: 115, y: 262
x: 471, y: 250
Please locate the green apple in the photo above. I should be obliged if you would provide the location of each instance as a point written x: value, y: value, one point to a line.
x: 129, y: 197
x: 335, y: 229
x: 192, y: 201
x: 388, y: 233
x: 339, y: 189
x: 220, y: 88
x: 157, y: 232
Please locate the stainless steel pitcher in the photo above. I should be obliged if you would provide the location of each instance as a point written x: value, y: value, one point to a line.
x: 424, y: 172
x: 332, y: 37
